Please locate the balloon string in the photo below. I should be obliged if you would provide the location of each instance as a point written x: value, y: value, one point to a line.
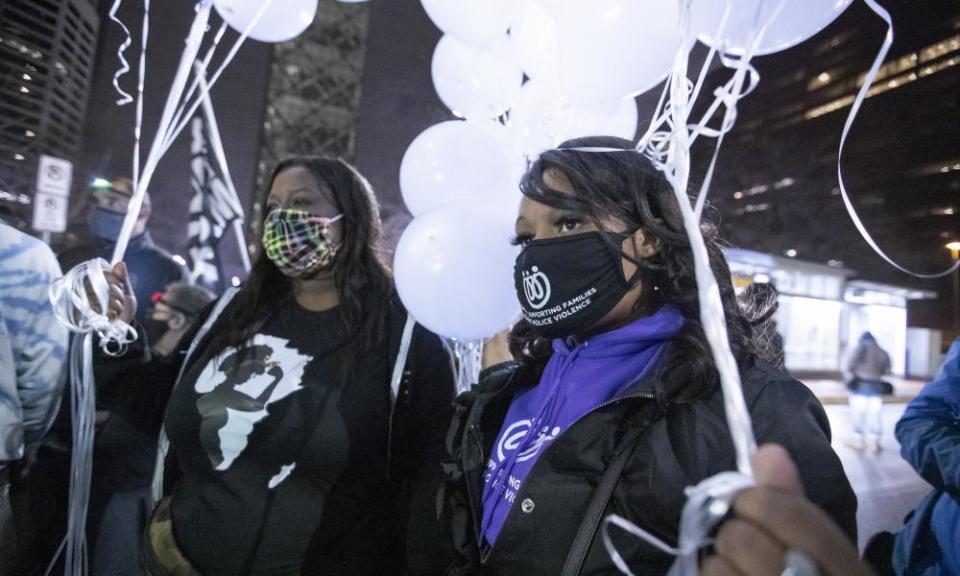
x: 710, y: 500
x: 724, y: 19
x: 193, y: 40
x: 73, y: 308
x: 125, y: 98
x: 677, y: 169
x: 138, y: 121
x: 201, y: 69
x: 729, y: 95
x: 861, y: 96
x: 216, y: 75
x: 469, y: 357
x: 707, y: 505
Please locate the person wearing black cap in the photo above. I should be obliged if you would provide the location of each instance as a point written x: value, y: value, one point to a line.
x: 174, y: 312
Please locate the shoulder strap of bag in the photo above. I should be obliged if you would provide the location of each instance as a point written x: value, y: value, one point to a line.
x: 397, y: 394
x: 608, y: 482
x: 400, y: 363
x: 163, y: 445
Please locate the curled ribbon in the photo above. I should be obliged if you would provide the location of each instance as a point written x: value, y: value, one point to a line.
x: 125, y: 98
x: 854, y: 109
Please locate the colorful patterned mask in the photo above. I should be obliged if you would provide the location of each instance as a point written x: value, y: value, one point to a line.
x: 298, y: 242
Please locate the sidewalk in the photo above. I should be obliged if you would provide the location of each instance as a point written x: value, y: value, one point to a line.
x: 887, y: 488
x: 835, y: 391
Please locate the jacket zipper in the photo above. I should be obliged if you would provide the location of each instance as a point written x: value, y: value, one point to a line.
x: 488, y: 551
x: 474, y: 499
x: 475, y: 507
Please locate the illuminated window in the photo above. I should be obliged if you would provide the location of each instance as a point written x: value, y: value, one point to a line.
x: 891, y: 75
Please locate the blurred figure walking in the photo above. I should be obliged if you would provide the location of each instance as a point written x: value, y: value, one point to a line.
x: 867, y: 365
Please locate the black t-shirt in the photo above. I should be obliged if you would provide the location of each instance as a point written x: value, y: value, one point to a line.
x: 280, y: 452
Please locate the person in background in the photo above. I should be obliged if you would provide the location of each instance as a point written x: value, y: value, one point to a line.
x: 867, y: 365
x: 175, y: 310
x: 608, y: 399
x: 758, y: 304
x: 33, y: 353
x: 151, y: 268
x: 125, y: 450
x: 929, y: 436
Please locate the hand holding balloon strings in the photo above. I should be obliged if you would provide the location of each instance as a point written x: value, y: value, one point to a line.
x: 774, y: 527
x: 92, y: 298
x: 95, y: 298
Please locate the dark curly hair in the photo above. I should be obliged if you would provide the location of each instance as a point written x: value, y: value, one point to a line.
x: 758, y: 303
x: 626, y: 186
x: 362, y: 277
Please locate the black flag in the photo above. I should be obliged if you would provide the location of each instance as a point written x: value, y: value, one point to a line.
x: 214, y: 208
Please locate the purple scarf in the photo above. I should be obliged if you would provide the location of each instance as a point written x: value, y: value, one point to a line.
x: 576, y: 380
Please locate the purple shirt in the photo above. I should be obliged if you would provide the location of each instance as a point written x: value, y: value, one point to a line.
x: 576, y: 380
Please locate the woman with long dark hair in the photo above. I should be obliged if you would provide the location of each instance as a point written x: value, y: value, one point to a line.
x: 307, y: 421
x: 611, y: 401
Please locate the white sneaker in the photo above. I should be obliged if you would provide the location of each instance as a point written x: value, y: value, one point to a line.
x: 874, y: 444
x: 854, y: 441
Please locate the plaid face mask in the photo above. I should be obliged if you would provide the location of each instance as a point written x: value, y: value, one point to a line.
x: 298, y: 242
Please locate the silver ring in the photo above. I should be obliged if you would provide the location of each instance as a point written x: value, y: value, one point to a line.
x: 797, y: 563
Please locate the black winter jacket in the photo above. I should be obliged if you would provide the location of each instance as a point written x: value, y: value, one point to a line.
x: 686, y: 443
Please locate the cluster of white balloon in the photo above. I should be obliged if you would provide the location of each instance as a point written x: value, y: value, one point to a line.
x: 523, y: 76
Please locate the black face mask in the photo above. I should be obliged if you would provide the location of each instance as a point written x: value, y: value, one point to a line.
x: 568, y: 284
x: 155, y: 329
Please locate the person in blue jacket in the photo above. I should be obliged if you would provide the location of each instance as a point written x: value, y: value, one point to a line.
x: 929, y: 435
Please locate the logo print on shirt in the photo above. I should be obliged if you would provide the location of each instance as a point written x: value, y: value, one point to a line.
x: 544, y: 436
x: 512, y: 436
x: 536, y: 287
x: 236, y: 389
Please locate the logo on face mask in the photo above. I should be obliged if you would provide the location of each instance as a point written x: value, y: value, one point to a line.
x: 536, y: 287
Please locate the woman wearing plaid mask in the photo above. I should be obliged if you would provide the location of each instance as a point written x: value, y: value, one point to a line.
x: 294, y: 453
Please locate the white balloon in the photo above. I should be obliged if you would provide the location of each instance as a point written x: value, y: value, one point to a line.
x: 476, y: 82
x: 478, y: 22
x: 609, y: 49
x: 540, y: 119
x: 458, y: 160
x: 534, y: 33
x: 454, y: 270
x: 283, y: 20
x: 797, y: 21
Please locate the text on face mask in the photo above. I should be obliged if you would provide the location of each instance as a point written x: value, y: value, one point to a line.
x: 561, y: 311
